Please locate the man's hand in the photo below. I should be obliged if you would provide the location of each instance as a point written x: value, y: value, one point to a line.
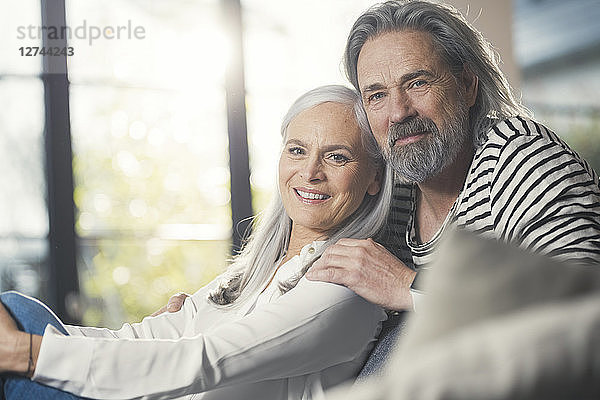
x: 367, y: 268
x: 173, y: 305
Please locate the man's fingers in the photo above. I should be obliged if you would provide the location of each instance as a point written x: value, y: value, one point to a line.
x: 328, y: 274
x: 354, y: 242
x: 341, y: 260
x: 348, y: 242
x: 353, y: 248
x: 351, y: 278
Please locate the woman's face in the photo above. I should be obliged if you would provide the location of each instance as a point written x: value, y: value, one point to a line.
x: 324, y: 172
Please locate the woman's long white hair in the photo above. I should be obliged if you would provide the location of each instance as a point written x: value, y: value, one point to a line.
x: 267, y: 245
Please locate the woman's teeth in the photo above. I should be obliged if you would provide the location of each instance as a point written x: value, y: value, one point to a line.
x: 312, y: 196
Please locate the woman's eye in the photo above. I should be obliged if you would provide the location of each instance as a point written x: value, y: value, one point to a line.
x: 338, y: 158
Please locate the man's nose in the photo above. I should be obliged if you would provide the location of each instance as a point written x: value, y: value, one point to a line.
x: 400, y: 106
x: 312, y: 169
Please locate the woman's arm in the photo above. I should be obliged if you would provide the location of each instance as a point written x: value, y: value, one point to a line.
x: 171, y: 325
x: 314, y: 326
x: 15, y: 345
x: 164, y: 326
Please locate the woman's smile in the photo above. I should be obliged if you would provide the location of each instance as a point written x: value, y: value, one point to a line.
x: 311, y: 196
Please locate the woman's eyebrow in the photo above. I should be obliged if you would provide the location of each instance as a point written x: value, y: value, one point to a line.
x: 323, y: 149
x: 333, y: 147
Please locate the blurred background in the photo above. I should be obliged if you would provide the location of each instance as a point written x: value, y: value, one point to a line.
x: 160, y: 134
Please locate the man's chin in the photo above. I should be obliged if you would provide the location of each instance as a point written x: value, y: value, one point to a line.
x: 409, y: 174
x: 412, y: 177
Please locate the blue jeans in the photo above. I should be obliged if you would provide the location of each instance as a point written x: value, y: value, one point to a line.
x: 32, y: 316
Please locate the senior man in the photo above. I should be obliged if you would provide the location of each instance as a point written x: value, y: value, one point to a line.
x: 466, y: 151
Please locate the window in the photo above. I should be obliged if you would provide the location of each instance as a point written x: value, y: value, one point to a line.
x: 23, y: 213
x: 149, y: 130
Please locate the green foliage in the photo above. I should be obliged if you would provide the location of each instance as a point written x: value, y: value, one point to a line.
x: 135, y: 277
x: 152, y: 194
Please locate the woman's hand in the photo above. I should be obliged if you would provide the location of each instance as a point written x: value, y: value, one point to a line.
x: 175, y: 303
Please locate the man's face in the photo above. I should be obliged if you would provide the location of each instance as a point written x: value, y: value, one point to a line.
x: 417, y: 109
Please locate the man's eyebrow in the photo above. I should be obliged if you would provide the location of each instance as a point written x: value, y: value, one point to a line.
x: 294, y: 141
x: 403, y: 79
x: 415, y: 74
x: 373, y: 87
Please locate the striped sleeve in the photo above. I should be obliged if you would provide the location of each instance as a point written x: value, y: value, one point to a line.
x: 543, y: 196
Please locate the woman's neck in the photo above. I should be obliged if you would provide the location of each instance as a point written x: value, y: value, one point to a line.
x: 299, y: 238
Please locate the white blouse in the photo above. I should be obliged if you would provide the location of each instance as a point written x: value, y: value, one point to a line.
x: 291, y: 346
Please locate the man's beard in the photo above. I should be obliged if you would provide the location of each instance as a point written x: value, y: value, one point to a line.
x: 421, y: 160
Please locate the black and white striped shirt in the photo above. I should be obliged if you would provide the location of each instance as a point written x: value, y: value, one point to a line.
x: 525, y: 186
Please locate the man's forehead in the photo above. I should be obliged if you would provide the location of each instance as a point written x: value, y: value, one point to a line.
x: 391, y: 54
x: 411, y: 42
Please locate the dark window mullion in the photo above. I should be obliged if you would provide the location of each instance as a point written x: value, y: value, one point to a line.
x: 241, y: 200
x: 63, y: 283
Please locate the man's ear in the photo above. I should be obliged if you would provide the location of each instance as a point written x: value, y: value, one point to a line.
x: 470, y: 83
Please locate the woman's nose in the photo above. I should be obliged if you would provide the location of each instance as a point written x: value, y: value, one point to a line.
x: 312, y: 169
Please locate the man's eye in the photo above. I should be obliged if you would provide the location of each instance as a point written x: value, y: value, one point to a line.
x: 296, y: 151
x: 376, y: 96
x: 418, y: 83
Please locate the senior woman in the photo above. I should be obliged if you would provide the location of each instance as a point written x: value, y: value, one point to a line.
x: 259, y: 331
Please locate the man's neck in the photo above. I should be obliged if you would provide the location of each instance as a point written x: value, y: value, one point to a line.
x: 437, y: 195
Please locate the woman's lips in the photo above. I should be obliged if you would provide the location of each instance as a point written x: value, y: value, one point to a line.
x: 311, y: 196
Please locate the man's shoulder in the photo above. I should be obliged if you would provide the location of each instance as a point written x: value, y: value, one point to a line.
x: 520, y: 143
x: 522, y: 137
x: 520, y: 129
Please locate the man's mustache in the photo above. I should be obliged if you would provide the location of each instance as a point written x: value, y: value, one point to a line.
x: 401, y: 130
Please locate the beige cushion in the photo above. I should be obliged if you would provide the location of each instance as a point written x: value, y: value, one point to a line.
x: 477, y: 279
x: 498, y: 323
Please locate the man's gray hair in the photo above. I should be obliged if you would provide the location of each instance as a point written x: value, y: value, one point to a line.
x: 458, y: 44
x: 267, y: 246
